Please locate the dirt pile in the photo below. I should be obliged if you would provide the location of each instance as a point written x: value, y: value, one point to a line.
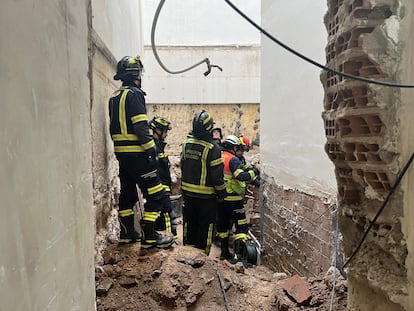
x: 183, y: 278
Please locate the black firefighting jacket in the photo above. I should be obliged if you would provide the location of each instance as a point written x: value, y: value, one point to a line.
x: 128, y: 121
x: 202, y: 169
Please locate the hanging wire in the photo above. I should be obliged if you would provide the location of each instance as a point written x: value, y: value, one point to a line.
x: 291, y: 50
x: 154, y: 50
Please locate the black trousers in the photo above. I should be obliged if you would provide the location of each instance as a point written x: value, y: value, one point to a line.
x: 140, y: 170
x: 199, y: 217
x: 229, y: 213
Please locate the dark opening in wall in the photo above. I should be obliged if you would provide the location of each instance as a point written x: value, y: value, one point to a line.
x: 360, y: 126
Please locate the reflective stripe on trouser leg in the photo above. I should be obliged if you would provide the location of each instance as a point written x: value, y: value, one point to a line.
x: 126, y: 212
x: 241, y: 236
x: 167, y: 220
x: 148, y: 226
x: 151, y: 216
x: 222, y: 235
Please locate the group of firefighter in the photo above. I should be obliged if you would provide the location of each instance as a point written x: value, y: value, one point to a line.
x: 213, y: 182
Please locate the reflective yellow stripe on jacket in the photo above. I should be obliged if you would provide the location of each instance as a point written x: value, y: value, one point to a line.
x: 235, y: 189
x: 197, y: 188
x: 125, y: 142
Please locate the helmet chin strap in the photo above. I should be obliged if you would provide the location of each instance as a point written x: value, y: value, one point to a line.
x: 238, y: 148
x: 159, y: 135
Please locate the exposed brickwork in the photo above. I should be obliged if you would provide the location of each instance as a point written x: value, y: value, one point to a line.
x: 354, y: 122
x: 360, y: 128
x: 298, y: 233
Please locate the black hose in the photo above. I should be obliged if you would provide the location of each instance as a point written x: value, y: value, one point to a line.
x: 286, y: 47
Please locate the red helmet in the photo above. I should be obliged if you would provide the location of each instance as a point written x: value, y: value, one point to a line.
x: 245, y: 143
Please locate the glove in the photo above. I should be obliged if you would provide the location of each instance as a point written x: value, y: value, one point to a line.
x: 256, y: 182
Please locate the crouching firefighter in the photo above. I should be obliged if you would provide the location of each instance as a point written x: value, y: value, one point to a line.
x: 135, y: 151
x: 231, y: 210
x: 160, y: 127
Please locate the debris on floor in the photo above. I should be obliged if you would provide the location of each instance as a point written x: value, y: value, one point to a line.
x: 183, y: 278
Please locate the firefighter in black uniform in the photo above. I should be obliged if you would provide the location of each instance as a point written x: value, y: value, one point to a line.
x: 135, y: 151
x: 231, y: 210
x: 160, y: 127
x: 202, y: 183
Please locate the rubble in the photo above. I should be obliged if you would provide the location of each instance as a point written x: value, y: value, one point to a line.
x: 183, y: 278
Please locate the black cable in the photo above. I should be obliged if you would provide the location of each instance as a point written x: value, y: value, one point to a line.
x: 346, y: 75
x: 397, y: 182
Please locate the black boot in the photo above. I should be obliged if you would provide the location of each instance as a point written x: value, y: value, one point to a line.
x: 241, y: 253
x: 224, y: 246
x: 152, y: 237
x: 161, y: 223
x: 128, y: 233
x: 167, y: 222
x: 238, y: 250
x: 173, y: 219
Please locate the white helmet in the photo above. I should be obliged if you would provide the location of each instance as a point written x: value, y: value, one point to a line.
x: 231, y: 141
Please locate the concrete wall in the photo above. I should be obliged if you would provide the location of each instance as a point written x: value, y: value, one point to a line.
x: 47, y: 227
x: 119, y: 26
x: 238, y: 83
x: 105, y: 167
x: 369, y: 139
x: 292, y: 98
x: 299, y: 192
x: 407, y: 142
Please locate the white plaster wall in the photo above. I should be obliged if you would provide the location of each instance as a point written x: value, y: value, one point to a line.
x: 187, y: 32
x: 118, y: 23
x: 47, y: 224
x: 239, y: 82
x: 292, y: 132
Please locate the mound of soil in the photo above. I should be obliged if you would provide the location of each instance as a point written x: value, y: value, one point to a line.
x: 183, y: 278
